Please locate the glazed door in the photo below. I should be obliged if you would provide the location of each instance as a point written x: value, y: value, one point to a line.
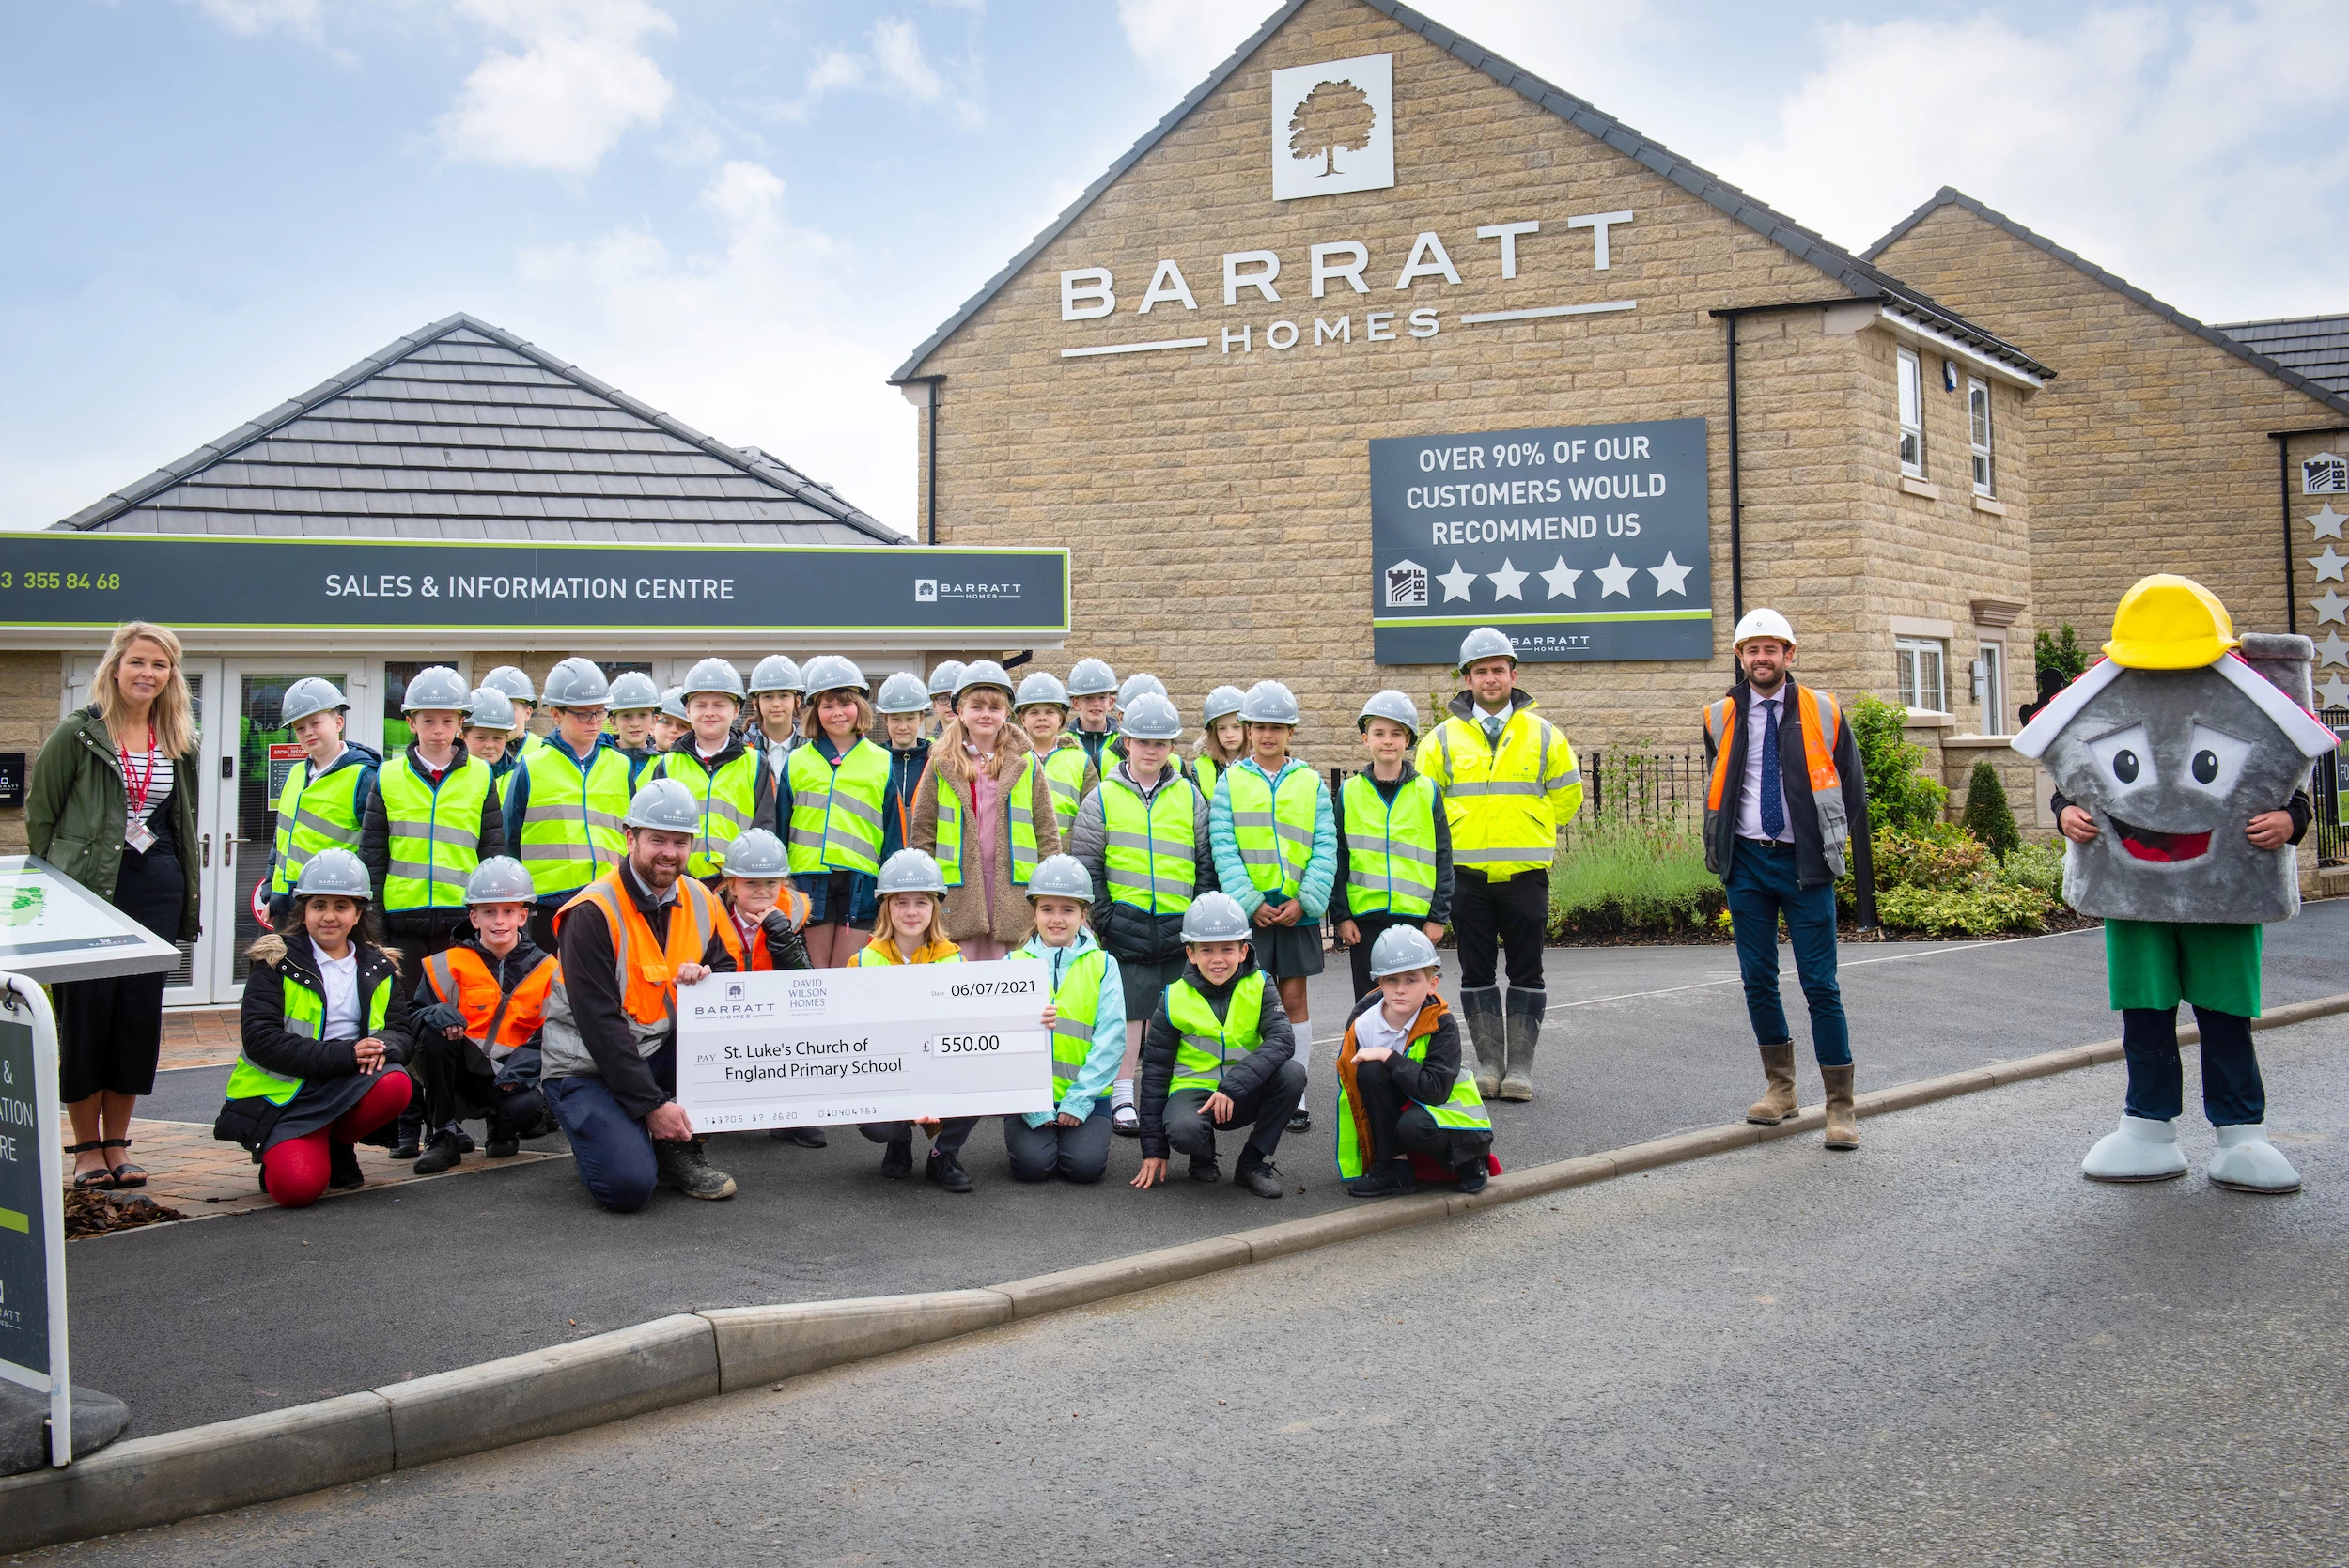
x: 257, y: 751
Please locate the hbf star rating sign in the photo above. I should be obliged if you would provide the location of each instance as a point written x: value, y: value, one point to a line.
x: 1587, y: 542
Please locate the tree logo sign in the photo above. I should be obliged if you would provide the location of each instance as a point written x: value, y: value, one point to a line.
x: 1334, y: 128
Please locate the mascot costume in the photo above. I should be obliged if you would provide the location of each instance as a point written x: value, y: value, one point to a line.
x: 2184, y: 744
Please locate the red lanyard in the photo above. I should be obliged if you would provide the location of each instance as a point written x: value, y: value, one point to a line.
x: 138, y: 791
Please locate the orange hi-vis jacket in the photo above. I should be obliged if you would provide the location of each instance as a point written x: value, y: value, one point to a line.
x: 498, y: 1021
x: 647, y: 970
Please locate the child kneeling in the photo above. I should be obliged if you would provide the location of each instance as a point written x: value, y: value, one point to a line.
x: 1401, y: 1089
x: 1087, y: 1018
x: 913, y: 894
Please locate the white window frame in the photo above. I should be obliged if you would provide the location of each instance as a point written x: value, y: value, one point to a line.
x: 1908, y: 654
x: 1991, y: 685
x: 1978, y: 432
x: 1909, y: 406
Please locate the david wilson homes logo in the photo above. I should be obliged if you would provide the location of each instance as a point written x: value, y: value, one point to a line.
x: 1334, y: 128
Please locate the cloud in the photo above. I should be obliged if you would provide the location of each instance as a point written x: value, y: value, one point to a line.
x: 298, y: 17
x: 891, y: 62
x: 1179, y: 41
x: 579, y: 85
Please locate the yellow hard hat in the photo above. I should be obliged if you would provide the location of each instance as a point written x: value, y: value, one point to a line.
x: 2170, y: 622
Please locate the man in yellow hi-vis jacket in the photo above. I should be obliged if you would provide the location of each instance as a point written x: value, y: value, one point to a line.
x: 1510, y: 783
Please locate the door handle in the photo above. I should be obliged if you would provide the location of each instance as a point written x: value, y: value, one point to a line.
x: 208, y: 849
x: 229, y: 851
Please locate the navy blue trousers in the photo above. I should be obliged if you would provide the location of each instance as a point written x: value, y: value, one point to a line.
x: 610, y: 1149
x: 1761, y: 886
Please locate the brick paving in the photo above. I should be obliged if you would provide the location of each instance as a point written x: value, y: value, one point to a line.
x: 205, y: 1037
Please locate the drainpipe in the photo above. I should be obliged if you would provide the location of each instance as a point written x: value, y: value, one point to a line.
x: 927, y: 400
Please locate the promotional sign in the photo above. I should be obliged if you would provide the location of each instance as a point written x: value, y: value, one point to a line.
x: 32, y: 1208
x: 1586, y: 542
x: 52, y: 928
x: 793, y: 1047
x: 99, y: 580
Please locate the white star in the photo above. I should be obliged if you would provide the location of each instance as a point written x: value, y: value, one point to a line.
x: 2329, y: 565
x: 1455, y: 582
x: 2332, y: 650
x: 1561, y: 579
x: 2327, y: 522
x: 1672, y: 577
x: 1615, y: 578
x: 2332, y: 607
x: 1507, y: 581
x: 2333, y: 692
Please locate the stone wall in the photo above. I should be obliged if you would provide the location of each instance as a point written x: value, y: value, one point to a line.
x: 31, y: 687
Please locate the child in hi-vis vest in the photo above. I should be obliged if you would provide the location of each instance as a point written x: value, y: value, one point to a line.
x: 1402, y: 1094
x: 1087, y: 1020
x: 912, y: 895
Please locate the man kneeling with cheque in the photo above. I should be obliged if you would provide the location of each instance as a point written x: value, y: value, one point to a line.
x: 627, y: 941
x: 1401, y: 1091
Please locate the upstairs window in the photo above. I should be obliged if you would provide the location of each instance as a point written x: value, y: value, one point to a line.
x: 1912, y: 414
x: 1978, y: 420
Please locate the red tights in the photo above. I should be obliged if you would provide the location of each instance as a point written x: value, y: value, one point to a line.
x: 295, y: 1171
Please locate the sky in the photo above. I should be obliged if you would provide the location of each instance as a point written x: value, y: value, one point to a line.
x: 748, y: 214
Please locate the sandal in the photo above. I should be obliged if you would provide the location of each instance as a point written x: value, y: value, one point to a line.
x: 126, y: 1174
x: 101, y: 1178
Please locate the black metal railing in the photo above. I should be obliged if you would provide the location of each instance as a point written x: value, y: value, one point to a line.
x: 2325, y: 785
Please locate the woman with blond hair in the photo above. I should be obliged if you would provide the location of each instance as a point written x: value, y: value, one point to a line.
x: 985, y: 810
x: 112, y: 805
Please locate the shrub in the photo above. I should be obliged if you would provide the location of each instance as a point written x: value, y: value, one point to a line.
x: 1941, y: 856
x: 2035, y: 865
x: 1987, y: 816
x: 2059, y: 653
x: 1979, y: 909
x: 1633, y: 875
x: 1899, y: 796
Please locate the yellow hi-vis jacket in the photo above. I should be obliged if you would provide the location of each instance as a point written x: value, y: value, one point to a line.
x: 1505, y: 800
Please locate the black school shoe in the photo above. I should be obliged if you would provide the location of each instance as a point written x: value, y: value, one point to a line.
x: 1260, y: 1176
x: 1473, y: 1174
x: 464, y: 1138
x: 897, y: 1160
x: 806, y: 1137
x: 441, y: 1155
x: 1300, y: 1120
x: 502, y: 1142
x: 1204, y: 1169
x: 947, y: 1172
x: 342, y: 1169
x: 1388, y: 1178
x: 410, y: 1144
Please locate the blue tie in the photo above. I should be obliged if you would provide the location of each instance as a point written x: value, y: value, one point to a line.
x: 1773, y: 785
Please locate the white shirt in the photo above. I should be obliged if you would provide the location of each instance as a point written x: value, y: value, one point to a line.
x: 344, y: 1021
x: 1371, y: 1030
x: 1750, y: 798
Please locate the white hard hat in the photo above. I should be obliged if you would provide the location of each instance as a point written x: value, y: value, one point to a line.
x: 1763, y: 623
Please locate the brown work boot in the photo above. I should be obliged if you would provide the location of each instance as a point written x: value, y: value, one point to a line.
x: 1778, y: 1105
x: 1843, y: 1122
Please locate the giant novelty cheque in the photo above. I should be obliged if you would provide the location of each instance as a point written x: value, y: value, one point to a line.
x: 791, y: 1047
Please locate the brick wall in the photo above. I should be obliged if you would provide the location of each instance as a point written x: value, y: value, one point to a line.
x: 30, y: 689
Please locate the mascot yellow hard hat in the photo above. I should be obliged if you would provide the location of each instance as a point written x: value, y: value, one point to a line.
x: 2170, y: 622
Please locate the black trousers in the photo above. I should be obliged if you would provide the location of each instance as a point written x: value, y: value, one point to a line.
x: 1265, y: 1115
x: 457, y: 1080
x: 1399, y: 1126
x: 1371, y: 925
x: 1488, y: 916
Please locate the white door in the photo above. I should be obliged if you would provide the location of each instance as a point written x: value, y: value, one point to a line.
x: 1994, y: 719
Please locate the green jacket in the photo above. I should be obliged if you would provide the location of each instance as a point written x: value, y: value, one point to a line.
x: 75, y: 806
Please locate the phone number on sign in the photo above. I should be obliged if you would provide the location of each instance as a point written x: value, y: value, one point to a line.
x: 68, y: 579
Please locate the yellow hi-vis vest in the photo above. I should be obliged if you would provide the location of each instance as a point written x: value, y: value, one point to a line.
x: 1065, y: 768
x: 305, y: 1016
x: 1499, y: 798
x: 572, y: 831
x: 1209, y: 1044
x: 1390, y: 850
x: 435, y: 834
x: 836, y: 812
x: 315, y: 815
x: 1152, y: 860
x: 1075, y: 1006
x: 1465, y: 1110
x: 1273, y: 827
x: 1019, y: 803
x: 728, y: 800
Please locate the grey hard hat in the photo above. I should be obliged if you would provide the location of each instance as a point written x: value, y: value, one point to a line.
x: 1041, y: 690
x: 1401, y: 948
x: 1151, y: 717
x: 631, y: 691
x: 577, y: 683
x: 437, y: 688
x: 335, y: 873
x: 1216, y: 916
x: 1268, y: 702
x: 1222, y: 703
x: 903, y: 692
x: 714, y: 675
x: 1136, y: 685
x: 490, y: 709
x: 1486, y: 641
x: 983, y: 672
x: 911, y: 871
x: 831, y: 673
x: 500, y: 879
x: 942, y: 679
x: 665, y: 805
x: 1061, y: 877
x: 673, y: 704
x: 756, y: 852
x: 1391, y: 705
x: 512, y: 682
x: 1091, y: 678
x: 774, y: 673
x: 308, y: 695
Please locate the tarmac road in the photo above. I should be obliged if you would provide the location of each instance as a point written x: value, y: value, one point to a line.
x: 199, y: 1322
x: 1946, y: 1348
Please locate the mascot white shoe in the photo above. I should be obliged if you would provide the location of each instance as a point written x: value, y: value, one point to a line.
x: 2139, y: 1151
x: 2245, y: 1161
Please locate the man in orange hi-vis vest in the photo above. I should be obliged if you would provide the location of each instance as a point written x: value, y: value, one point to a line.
x: 1787, y: 799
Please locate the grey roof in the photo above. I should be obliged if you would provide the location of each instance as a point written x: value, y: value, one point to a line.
x: 2315, y: 346
x: 464, y: 431
x: 1949, y: 195
x: 1863, y: 280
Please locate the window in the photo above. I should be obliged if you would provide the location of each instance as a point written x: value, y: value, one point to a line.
x: 1912, y: 414
x: 1990, y: 687
x: 1920, y: 661
x: 1978, y: 420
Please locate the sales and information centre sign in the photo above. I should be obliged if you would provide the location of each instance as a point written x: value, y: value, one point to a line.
x: 64, y: 579
x: 1581, y: 542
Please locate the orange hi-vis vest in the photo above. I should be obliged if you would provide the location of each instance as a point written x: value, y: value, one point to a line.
x: 1822, y: 725
x: 499, y: 1022
x: 748, y: 944
x: 647, y: 969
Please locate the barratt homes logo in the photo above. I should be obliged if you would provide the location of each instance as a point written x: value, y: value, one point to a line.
x: 1406, y: 586
x: 1334, y: 128
x: 925, y: 590
x: 932, y: 590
